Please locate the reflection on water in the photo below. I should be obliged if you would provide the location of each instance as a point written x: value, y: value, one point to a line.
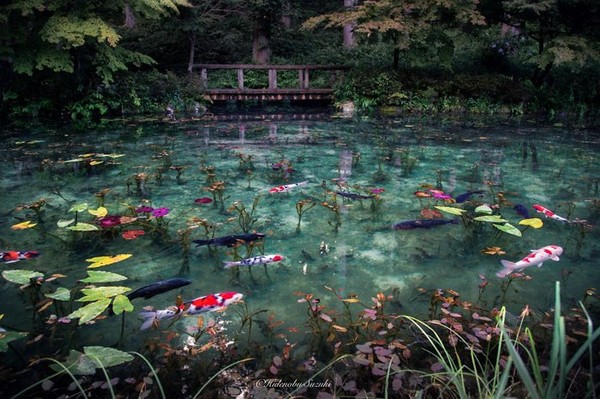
x: 362, y: 179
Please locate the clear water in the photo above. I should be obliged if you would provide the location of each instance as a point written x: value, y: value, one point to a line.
x: 365, y: 255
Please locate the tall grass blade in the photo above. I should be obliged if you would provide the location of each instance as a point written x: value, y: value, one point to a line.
x: 160, y: 387
x: 219, y: 372
x: 66, y: 370
x: 112, y: 392
x: 319, y: 372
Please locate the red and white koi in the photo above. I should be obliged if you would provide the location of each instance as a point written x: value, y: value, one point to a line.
x: 15, y: 256
x: 549, y: 214
x: 257, y: 260
x: 287, y: 187
x: 537, y: 257
x: 203, y: 304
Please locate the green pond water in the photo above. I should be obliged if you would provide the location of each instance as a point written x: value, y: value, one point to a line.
x: 525, y: 163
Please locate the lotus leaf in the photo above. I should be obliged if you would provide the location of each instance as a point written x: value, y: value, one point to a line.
x: 77, y: 363
x: 23, y: 225
x: 102, y: 277
x: 509, y: 228
x: 100, y: 212
x: 94, y: 163
x: 100, y: 261
x: 490, y: 218
x: 20, y: 276
x: 7, y: 336
x: 73, y: 160
x: 79, y: 207
x: 94, y: 294
x: 536, y: 223
x: 64, y: 223
x: 90, y: 311
x: 484, y: 209
x: 122, y: 304
x: 61, y: 294
x: 107, y: 357
x: 83, y: 227
x: 451, y: 210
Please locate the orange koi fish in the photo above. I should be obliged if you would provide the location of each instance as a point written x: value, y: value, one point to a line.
x: 15, y: 256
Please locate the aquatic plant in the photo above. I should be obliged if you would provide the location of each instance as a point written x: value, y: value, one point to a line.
x: 36, y: 206
x: 302, y: 207
x: 335, y: 208
x: 179, y: 169
x: 217, y: 189
x: 246, y: 220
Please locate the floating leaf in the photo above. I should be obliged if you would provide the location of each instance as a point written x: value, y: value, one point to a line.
x: 490, y: 219
x: 90, y: 311
x: 77, y: 363
x: 132, y: 234
x: 23, y: 225
x: 61, y: 294
x: 94, y: 163
x: 79, y: 207
x: 536, y: 223
x: 451, y: 210
x: 113, y: 156
x: 20, y: 276
x: 100, y: 261
x: 73, y: 160
x: 96, y: 293
x: 509, y: 228
x: 102, y: 277
x: 83, y: 227
x: 106, y: 357
x: 351, y: 300
x: 121, y: 304
x: 484, y: 209
x: 100, y: 212
x: 8, y: 336
x: 64, y: 223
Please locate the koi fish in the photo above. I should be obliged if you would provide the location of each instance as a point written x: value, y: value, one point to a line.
x: 549, y: 214
x: 257, y: 260
x: 150, y: 290
x: 15, y: 256
x: 421, y: 224
x: 353, y: 196
x: 466, y: 196
x: 203, y: 304
x: 537, y: 257
x: 230, y: 241
x: 286, y: 188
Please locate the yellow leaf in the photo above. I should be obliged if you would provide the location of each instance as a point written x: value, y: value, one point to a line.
x: 100, y: 261
x: 100, y: 212
x: 93, y: 163
x: 23, y: 225
x: 536, y: 223
x: 351, y: 300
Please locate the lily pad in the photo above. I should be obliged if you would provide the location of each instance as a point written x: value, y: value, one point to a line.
x: 90, y: 311
x: 451, y: 210
x: 122, y: 304
x: 102, y: 277
x: 20, y: 276
x: 484, y: 209
x: 96, y: 293
x: 106, y: 357
x: 94, y: 163
x: 61, y: 294
x: 64, y: 223
x: 509, y: 228
x: 79, y: 207
x: 83, y: 227
x: 490, y: 219
x: 77, y: 363
x: 536, y: 223
x: 100, y: 212
x: 100, y: 261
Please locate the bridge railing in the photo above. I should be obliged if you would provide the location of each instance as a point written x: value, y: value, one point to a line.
x: 271, y: 90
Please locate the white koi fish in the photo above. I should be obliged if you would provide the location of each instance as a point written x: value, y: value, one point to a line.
x: 287, y: 187
x: 257, y: 260
x: 549, y: 214
x: 203, y: 304
x: 537, y: 257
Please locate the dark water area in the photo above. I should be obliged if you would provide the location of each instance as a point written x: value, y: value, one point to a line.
x: 359, y: 179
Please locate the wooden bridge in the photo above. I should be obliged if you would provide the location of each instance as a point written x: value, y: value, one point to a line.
x: 261, y: 82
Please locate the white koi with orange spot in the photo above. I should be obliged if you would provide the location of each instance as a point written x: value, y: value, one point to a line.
x: 537, y: 257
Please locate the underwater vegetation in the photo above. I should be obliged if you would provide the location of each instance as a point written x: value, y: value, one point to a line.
x: 297, y: 268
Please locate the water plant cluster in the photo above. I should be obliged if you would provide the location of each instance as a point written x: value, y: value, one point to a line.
x: 345, y: 343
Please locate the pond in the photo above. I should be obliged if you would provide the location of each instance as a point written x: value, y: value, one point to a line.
x: 393, y: 206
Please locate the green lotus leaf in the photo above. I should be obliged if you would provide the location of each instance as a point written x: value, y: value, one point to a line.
x: 83, y: 227
x: 490, y: 218
x: 96, y: 293
x: 102, y: 277
x: 77, y: 363
x: 61, y: 294
x: 103, y: 356
x: 20, y: 276
x: 122, y: 304
x: 79, y: 207
x: 7, y: 336
x: 90, y: 311
x: 484, y: 209
x: 64, y: 223
x: 451, y: 210
x: 509, y: 228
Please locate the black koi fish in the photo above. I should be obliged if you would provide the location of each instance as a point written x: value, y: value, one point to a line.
x: 150, y: 290
x: 421, y: 224
x: 464, y: 197
x: 353, y: 196
x: 230, y: 241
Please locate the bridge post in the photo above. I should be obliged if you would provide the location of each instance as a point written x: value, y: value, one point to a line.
x: 272, y: 78
x: 240, y: 78
x: 303, y: 79
x: 204, y: 78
